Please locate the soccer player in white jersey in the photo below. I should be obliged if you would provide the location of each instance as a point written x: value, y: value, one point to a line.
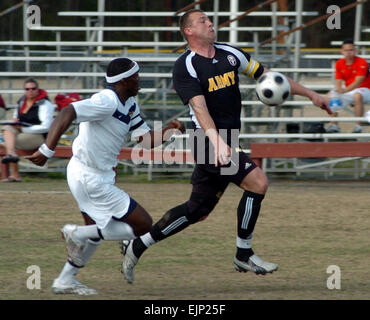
x: 105, y: 120
x: 206, y: 78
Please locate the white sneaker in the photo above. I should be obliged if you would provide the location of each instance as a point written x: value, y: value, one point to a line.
x: 357, y: 129
x: 333, y: 128
x: 75, y: 287
x: 74, y: 246
x: 129, y: 262
x: 255, y: 264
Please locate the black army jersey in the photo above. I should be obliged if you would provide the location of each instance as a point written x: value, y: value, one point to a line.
x: 217, y: 79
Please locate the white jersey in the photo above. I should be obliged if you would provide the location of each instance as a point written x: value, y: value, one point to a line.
x: 105, y: 122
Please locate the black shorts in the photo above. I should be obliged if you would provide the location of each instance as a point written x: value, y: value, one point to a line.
x: 240, y: 166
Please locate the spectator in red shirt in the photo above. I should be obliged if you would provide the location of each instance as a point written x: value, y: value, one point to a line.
x: 352, y: 82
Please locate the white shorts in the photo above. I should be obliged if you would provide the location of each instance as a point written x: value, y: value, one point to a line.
x: 96, y: 194
x: 348, y: 97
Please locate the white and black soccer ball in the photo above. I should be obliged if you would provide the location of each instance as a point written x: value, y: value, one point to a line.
x: 272, y: 88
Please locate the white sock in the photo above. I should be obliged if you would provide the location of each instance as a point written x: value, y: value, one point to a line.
x: 68, y: 273
x: 147, y: 239
x: 83, y: 233
x: 89, y: 250
x: 117, y: 230
x: 244, y: 243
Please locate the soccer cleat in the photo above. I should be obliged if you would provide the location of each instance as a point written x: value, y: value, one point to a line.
x: 255, y: 264
x: 74, y: 246
x: 129, y: 262
x: 333, y: 128
x: 74, y: 287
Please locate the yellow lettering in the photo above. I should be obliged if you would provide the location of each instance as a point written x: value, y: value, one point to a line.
x: 231, y: 76
x: 219, y: 82
x: 212, y: 85
x: 225, y: 79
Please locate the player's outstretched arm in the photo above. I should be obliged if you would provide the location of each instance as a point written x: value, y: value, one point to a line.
x: 153, y: 139
x: 58, y: 127
x: 354, y: 85
x: 298, y: 89
x: 316, y: 99
x: 174, y: 127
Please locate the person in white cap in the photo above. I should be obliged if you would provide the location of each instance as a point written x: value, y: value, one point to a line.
x: 109, y: 213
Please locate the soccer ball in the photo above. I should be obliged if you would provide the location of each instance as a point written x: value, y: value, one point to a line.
x: 272, y: 88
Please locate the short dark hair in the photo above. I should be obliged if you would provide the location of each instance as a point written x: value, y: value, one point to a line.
x: 348, y: 41
x: 184, y: 20
x: 118, y: 66
x: 31, y: 80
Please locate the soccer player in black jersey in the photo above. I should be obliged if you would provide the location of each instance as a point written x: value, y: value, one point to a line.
x: 206, y: 77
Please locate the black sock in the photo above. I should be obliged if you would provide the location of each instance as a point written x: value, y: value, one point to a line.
x: 172, y: 222
x: 138, y: 247
x: 244, y: 254
x: 248, y: 211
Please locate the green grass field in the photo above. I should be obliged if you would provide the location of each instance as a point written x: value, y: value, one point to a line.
x: 304, y: 227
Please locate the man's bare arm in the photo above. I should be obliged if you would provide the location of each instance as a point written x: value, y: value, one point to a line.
x: 355, y: 84
x: 222, y: 150
x: 153, y: 139
x: 58, y: 127
x: 298, y: 89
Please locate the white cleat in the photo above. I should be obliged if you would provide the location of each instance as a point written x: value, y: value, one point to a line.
x: 256, y: 265
x: 129, y: 262
x: 74, y: 287
x: 74, y: 246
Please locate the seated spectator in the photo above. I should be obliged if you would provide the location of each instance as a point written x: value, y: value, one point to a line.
x: 352, y: 84
x: 2, y: 108
x: 35, y: 109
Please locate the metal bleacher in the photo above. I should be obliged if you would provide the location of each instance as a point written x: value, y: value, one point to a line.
x: 79, y: 66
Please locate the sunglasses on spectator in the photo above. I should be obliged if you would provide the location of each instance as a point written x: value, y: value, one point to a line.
x: 34, y: 88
